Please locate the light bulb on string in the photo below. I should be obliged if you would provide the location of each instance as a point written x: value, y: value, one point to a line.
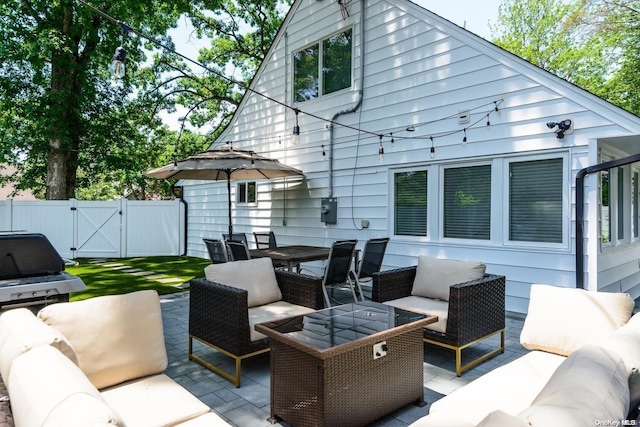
x: 381, y: 150
x: 120, y: 55
x: 464, y: 138
x: 433, y: 149
x: 296, y: 130
x: 324, y: 154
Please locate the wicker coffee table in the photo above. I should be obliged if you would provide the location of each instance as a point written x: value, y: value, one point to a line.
x: 347, y: 365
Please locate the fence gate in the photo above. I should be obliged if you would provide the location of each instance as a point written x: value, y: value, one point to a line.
x: 98, y: 229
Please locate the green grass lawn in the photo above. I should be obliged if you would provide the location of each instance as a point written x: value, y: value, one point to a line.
x: 101, y: 280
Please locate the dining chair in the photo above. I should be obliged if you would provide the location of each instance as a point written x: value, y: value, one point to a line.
x: 265, y: 240
x: 238, y: 250
x: 217, y: 250
x: 238, y: 237
x: 336, y: 272
x: 371, y: 262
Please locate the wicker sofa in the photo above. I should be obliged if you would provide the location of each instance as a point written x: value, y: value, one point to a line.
x: 582, y: 368
x: 469, y: 303
x: 97, y: 362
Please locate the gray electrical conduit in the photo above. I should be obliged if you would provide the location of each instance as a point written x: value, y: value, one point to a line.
x: 357, y: 104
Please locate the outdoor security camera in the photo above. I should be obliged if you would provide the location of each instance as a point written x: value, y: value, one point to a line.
x: 551, y: 125
x: 562, y: 128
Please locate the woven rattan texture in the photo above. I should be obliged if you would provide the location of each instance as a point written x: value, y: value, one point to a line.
x: 476, y: 308
x: 218, y: 314
x: 6, y: 419
x: 351, y: 389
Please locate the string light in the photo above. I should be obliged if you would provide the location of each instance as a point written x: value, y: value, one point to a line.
x: 324, y: 154
x: 464, y: 139
x: 296, y: 130
x: 433, y: 149
x: 381, y: 150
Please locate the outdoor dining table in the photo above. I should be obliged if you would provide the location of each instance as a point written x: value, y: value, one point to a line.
x: 293, y: 255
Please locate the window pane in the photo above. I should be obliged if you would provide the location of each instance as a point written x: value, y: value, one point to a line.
x: 605, y: 210
x: 467, y: 202
x: 336, y: 67
x: 535, y: 201
x: 241, y: 196
x: 410, y: 203
x: 305, y: 74
x: 634, y: 204
x: 251, y: 192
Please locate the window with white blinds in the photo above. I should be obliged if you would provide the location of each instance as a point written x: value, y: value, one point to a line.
x: 410, y: 203
x: 467, y: 202
x: 535, y: 201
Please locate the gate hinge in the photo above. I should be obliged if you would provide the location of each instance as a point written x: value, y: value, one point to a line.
x: 73, y: 249
x: 120, y: 212
x: 73, y: 208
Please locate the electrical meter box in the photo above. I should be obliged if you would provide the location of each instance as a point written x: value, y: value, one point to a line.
x: 329, y: 210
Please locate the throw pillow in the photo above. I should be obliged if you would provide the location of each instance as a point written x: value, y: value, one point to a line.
x: 561, y: 320
x: 21, y: 331
x: 116, y: 337
x: 435, y: 276
x: 590, y: 385
x: 256, y: 276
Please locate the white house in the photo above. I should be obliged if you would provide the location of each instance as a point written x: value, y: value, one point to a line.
x: 414, y: 128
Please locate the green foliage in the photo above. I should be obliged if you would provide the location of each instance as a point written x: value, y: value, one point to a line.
x: 591, y: 43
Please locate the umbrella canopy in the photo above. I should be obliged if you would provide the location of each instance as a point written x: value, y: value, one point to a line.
x: 222, y: 164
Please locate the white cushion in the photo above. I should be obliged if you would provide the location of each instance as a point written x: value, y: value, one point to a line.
x: 625, y: 342
x: 590, y: 385
x: 426, y: 306
x: 116, y: 337
x: 510, y: 388
x: 154, y: 401
x: 270, y: 312
x: 502, y: 419
x: 435, y: 276
x: 561, y: 320
x: 47, y: 389
x: 256, y: 276
x: 20, y: 331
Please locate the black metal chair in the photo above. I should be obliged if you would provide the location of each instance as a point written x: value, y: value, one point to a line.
x: 217, y: 250
x: 238, y: 237
x: 336, y: 272
x: 370, y: 263
x: 265, y: 240
x: 238, y: 250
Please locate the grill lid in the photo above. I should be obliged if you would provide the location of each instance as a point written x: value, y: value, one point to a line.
x: 27, y: 255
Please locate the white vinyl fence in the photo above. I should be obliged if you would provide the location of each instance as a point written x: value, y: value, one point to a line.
x: 113, y: 229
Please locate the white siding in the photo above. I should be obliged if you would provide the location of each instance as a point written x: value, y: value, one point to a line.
x: 422, y: 70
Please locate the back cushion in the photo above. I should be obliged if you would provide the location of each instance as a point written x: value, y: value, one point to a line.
x: 21, y: 331
x: 48, y: 390
x: 589, y: 386
x: 435, y: 276
x: 561, y: 320
x: 116, y: 338
x: 256, y: 276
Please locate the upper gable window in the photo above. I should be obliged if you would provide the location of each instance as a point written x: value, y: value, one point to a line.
x: 322, y: 68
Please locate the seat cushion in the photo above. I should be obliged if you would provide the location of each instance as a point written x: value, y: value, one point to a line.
x: 509, y: 388
x: 116, y: 337
x: 20, y: 331
x: 561, y: 320
x: 426, y: 306
x: 435, y: 276
x: 256, y: 276
x: 48, y: 390
x: 590, y: 385
x: 154, y: 401
x: 274, y: 311
x: 625, y: 341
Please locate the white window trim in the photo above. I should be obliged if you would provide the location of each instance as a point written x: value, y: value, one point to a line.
x: 246, y: 186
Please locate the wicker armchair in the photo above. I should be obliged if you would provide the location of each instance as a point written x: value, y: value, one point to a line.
x: 218, y: 316
x: 476, y: 311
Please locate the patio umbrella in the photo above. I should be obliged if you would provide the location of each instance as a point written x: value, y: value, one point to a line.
x: 225, y: 163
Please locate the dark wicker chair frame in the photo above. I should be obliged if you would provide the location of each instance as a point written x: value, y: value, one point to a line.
x: 476, y: 311
x: 218, y: 317
x: 238, y: 250
x: 217, y: 250
x: 265, y: 240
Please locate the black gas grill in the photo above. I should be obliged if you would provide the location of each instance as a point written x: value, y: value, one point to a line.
x: 32, y: 272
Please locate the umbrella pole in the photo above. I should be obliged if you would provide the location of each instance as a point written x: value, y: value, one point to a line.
x: 229, y: 201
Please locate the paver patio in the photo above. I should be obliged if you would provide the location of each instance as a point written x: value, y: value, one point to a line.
x: 248, y: 406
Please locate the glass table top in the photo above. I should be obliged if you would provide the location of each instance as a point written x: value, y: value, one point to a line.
x: 342, y: 324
